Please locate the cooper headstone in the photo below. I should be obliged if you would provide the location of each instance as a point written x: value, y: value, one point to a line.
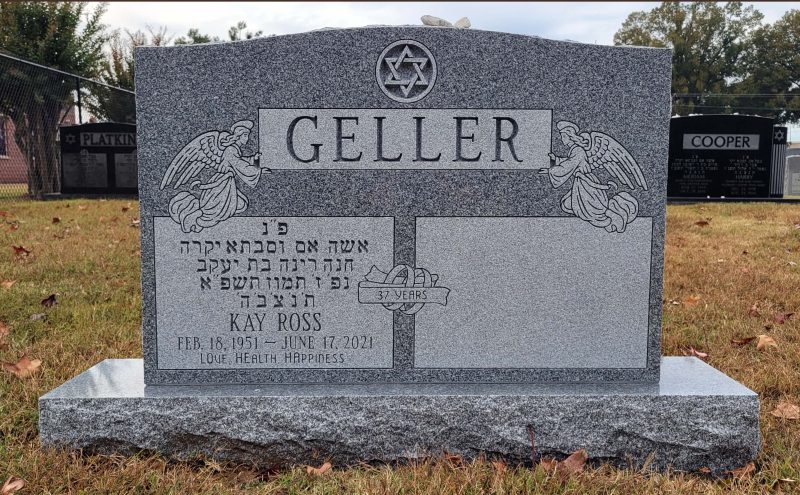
x: 720, y: 156
x: 382, y: 243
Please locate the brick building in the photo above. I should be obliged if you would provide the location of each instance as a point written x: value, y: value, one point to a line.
x: 13, y: 168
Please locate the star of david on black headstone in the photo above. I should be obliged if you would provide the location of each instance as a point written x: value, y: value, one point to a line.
x: 779, y: 135
x: 70, y: 139
x: 417, y: 77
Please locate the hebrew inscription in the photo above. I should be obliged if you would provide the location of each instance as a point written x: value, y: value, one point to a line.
x: 272, y: 292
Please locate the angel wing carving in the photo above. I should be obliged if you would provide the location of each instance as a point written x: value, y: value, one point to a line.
x: 589, y: 198
x: 604, y: 151
x: 209, y: 201
x: 201, y: 152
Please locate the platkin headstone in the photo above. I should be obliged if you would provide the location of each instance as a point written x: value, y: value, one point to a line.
x: 365, y: 237
x: 721, y: 156
x: 98, y: 158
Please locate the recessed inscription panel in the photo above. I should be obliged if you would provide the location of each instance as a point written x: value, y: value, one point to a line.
x: 272, y: 292
x: 85, y: 170
x: 534, y: 293
x: 125, y: 170
x: 301, y: 139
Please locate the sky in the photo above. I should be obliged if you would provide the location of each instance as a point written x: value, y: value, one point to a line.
x: 589, y: 22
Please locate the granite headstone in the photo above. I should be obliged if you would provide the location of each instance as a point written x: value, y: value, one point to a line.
x: 720, y: 156
x: 384, y: 243
x: 98, y: 158
x: 423, y: 205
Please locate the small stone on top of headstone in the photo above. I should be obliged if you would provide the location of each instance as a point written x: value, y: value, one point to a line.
x: 430, y: 20
x: 463, y: 23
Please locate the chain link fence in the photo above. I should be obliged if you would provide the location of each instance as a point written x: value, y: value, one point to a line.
x: 34, y: 102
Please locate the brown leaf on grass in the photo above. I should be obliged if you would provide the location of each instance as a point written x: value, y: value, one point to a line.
x: 743, y: 471
x: 56, y: 219
x: 782, y: 318
x: 743, y: 340
x: 3, y: 213
x: 4, y: 331
x: 126, y: 207
x: 786, y: 410
x: 754, y: 311
x: 135, y: 222
x: 12, y: 485
x: 13, y: 226
x: 701, y: 223
x: 82, y: 207
x: 695, y: 352
x: 570, y: 466
x: 49, y: 301
x: 691, y: 300
x: 20, y: 251
x: 320, y: 470
x: 499, y: 467
x: 7, y: 284
x: 765, y: 341
x: 454, y: 459
x: 23, y: 368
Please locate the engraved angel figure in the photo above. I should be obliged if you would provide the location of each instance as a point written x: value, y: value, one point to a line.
x: 217, y: 199
x: 588, y: 197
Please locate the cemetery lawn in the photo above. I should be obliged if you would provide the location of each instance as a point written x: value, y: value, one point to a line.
x: 732, y: 272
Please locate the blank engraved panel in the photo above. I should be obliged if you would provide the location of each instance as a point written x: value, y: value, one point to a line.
x: 534, y: 293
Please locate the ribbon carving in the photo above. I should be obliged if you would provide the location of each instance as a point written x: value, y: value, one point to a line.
x: 404, y: 288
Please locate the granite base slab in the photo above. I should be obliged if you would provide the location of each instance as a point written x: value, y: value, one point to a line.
x: 695, y: 417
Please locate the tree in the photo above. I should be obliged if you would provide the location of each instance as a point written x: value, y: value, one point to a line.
x: 709, y: 41
x: 64, y: 35
x: 771, y: 85
x: 194, y: 37
x: 237, y: 32
x: 110, y: 103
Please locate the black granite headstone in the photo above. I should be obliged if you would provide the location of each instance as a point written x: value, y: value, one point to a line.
x: 720, y: 156
x: 99, y: 158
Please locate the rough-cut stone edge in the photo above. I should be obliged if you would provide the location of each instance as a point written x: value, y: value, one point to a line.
x: 697, y: 417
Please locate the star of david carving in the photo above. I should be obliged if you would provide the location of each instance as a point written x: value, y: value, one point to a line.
x: 406, y: 71
x: 70, y: 139
x: 779, y: 135
x: 417, y: 77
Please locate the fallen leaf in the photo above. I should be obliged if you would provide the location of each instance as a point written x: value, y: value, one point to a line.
x: 745, y: 252
x: 3, y: 213
x: 701, y: 223
x: 786, y: 410
x: 126, y: 207
x: 454, y: 459
x: 56, y: 219
x: 82, y: 207
x: 570, y: 466
x: 4, y: 331
x: 792, y: 263
x: 695, y: 352
x: 691, y: 300
x: 38, y: 316
x: 23, y: 368
x: 765, y: 341
x: 20, y: 251
x: 499, y: 467
x: 135, y: 222
x: 320, y: 470
x: 781, y: 318
x: 14, y: 226
x: 12, y: 485
x: 7, y: 284
x: 743, y: 340
x: 744, y: 470
x: 49, y: 301
x: 704, y: 470
x: 754, y: 311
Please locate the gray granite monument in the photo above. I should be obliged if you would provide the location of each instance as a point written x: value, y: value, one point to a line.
x: 388, y: 242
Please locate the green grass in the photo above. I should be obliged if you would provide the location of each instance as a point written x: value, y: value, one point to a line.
x: 747, y: 254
